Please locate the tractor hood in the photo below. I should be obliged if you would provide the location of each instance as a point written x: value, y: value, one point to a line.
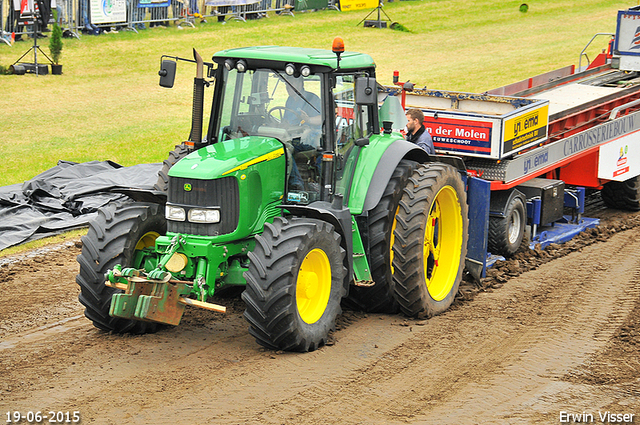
x: 224, y: 158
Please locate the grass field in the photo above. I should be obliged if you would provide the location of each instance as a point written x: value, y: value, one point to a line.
x: 108, y: 104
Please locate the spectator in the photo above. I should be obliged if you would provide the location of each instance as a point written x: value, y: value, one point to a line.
x: 139, y: 14
x: 62, y: 6
x: 83, y: 11
x: 222, y: 12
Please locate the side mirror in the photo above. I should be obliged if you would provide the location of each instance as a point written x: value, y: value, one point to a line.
x: 366, y: 91
x: 167, y: 73
x: 362, y: 142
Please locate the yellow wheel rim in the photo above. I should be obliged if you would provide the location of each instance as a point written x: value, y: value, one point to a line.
x: 147, y: 240
x: 392, y: 239
x: 313, y: 286
x: 443, y: 243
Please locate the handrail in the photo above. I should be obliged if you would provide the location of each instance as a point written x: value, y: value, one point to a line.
x: 614, y: 112
x: 585, y: 48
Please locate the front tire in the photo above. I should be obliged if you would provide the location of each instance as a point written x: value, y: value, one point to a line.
x: 295, y: 282
x: 430, y: 240
x: 120, y: 231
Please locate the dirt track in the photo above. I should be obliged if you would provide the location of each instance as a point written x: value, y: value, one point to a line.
x: 519, y: 348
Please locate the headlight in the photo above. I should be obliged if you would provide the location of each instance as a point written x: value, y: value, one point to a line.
x: 290, y: 69
x: 174, y: 213
x: 198, y: 215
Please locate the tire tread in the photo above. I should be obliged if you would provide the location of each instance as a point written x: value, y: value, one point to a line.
x: 107, y: 243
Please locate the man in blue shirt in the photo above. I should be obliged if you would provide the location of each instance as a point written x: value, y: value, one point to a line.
x: 416, y: 133
x: 305, y: 104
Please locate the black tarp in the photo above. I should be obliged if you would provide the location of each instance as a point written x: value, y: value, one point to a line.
x: 66, y: 197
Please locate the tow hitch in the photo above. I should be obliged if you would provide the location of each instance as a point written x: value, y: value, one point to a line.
x: 153, y: 297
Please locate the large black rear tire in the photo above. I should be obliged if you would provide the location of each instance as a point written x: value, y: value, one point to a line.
x: 175, y: 155
x: 380, y: 298
x: 430, y: 240
x: 114, y: 236
x: 295, y: 282
x: 622, y: 195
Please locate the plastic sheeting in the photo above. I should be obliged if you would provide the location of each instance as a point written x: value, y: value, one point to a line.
x: 66, y: 197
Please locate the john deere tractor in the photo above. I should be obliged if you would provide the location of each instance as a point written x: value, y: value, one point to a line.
x: 300, y: 193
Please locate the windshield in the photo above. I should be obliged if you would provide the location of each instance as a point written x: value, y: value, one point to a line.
x: 269, y: 103
x: 272, y: 104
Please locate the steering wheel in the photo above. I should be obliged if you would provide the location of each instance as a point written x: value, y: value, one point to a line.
x: 282, y: 110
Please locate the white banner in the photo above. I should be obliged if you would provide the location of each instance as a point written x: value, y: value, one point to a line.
x: 108, y: 11
x: 620, y: 160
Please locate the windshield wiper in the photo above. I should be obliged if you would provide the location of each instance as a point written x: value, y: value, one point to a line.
x: 296, y: 90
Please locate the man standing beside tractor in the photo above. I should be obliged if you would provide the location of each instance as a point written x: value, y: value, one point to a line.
x: 417, y: 133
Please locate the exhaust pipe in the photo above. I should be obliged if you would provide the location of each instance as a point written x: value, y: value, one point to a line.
x: 195, y: 137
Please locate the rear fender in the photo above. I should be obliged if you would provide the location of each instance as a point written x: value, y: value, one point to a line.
x: 389, y: 160
x: 396, y: 152
x: 501, y: 199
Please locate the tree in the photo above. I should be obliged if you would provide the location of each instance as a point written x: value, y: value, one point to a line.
x: 55, y: 43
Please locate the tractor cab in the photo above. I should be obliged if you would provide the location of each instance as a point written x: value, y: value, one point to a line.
x: 297, y: 97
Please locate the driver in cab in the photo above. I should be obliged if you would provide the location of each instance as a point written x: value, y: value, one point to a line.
x: 302, y: 106
x: 302, y: 109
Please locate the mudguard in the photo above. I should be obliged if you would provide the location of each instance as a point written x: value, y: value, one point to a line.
x: 397, y: 151
x: 500, y: 199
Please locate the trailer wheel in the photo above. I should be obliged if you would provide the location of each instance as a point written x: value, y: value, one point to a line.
x: 380, y: 298
x: 295, y: 282
x: 116, y: 236
x: 175, y: 155
x: 622, y: 195
x: 430, y: 240
x: 506, y: 233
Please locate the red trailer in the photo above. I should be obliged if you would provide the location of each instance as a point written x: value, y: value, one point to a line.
x: 540, y: 143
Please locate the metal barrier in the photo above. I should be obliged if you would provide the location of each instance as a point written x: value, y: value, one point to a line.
x: 76, y: 17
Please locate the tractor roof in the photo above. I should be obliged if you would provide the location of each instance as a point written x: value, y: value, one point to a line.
x: 299, y: 55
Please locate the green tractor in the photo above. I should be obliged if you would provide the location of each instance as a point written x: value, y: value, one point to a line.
x: 296, y: 195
